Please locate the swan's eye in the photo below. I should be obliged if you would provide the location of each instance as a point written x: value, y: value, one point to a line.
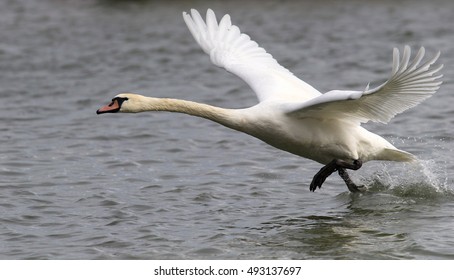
x: 120, y: 100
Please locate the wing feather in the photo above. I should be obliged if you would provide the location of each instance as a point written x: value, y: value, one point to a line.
x: 237, y: 53
x: 410, y: 84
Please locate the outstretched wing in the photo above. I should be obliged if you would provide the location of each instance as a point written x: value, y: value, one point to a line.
x: 237, y: 53
x: 410, y: 83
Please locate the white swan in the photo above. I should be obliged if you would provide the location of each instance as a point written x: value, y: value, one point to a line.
x: 293, y: 116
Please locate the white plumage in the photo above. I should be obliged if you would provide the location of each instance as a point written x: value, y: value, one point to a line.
x: 409, y: 84
x: 292, y: 115
x: 237, y: 53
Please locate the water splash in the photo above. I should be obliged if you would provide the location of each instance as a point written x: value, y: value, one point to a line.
x: 425, y: 179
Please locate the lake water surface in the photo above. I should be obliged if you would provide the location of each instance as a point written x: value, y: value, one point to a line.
x: 74, y: 185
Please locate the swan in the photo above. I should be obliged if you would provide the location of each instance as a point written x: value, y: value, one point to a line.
x: 292, y: 115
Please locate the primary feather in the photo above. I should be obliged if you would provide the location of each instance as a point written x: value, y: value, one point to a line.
x: 409, y: 85
x: 237, y: 53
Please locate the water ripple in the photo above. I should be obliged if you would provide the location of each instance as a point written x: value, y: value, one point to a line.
x: 165, y: 186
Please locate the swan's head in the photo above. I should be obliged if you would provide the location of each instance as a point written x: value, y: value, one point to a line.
x: 123, y: 103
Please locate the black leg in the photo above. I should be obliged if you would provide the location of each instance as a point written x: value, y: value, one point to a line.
x: 336, y: 165
x: 321, y: 175
x: 352, y: 187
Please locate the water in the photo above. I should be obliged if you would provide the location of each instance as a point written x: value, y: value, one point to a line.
x: 75, y: 185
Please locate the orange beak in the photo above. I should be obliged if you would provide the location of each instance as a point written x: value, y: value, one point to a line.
x: 113, y: 107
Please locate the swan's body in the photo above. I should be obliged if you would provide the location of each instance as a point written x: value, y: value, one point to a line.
x: 293, y: 116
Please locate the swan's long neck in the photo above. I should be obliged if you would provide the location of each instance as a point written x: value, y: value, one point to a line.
x: 231, y: 118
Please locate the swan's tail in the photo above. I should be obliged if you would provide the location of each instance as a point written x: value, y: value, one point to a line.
x: 397, y: 155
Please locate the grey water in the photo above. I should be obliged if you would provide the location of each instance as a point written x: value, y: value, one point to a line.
x: 74, y: 185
